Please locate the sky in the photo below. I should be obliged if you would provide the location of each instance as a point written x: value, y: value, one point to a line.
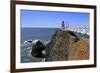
x: 51, y: 19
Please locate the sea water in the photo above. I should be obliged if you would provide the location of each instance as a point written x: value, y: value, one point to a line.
x: 43, y: 34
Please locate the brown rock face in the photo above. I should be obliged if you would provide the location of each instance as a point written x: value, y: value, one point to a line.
x: 80, y: 50
x: 65, y: 45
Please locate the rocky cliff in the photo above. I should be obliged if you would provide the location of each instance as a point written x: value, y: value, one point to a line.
x: 65, y: 45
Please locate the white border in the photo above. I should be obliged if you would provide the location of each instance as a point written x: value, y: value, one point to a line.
x: 53, y: 64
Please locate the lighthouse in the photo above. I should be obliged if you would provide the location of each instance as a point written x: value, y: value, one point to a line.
x: 63, y: 25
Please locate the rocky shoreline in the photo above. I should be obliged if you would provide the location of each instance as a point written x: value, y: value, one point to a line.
x: 64, y: 45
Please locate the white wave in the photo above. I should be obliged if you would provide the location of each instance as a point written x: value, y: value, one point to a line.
x: 43, y: 52
x: 34, y: 41
x: 27, y: 41
x: 43, y: 60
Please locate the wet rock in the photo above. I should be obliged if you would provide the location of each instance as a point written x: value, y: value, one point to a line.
x: 37, y: 49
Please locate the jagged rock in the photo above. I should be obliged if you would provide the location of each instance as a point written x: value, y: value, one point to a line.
x: 37, y: 49
x: 64, y: 45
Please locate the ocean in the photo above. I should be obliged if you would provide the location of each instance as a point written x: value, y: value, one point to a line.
x: 43, y: 34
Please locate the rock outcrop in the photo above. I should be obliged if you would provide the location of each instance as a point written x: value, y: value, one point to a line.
x: 65, y: 45
x: 37, y: 49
